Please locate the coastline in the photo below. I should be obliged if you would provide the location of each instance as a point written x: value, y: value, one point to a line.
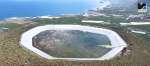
x: 25, y: 18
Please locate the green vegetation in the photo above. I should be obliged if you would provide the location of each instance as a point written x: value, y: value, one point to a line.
x: 110, y: 19
x: 10, y: 25
x: 146, y: 38
x: 145, y: 28
x: 73, y: 20
x: 63, y: 20
x: 141, y: 27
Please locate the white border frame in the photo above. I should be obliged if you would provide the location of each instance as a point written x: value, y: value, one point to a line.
x: 117, y: 42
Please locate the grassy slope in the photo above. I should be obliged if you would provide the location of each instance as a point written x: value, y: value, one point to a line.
x: 11, y: 54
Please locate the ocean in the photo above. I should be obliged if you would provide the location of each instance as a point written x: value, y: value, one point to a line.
x: 32, y: 8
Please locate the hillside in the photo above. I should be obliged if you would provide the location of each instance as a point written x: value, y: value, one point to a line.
x: 12, y: 54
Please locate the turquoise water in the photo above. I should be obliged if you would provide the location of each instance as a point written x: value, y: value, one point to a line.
x: 32, y: 8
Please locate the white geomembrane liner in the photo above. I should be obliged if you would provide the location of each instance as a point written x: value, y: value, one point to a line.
x: 118, y: 44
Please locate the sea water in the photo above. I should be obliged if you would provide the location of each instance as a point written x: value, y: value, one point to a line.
x: 32, y: 8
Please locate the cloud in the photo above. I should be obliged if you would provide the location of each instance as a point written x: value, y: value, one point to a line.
x: 117, y: 3
x: 104, y: 3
